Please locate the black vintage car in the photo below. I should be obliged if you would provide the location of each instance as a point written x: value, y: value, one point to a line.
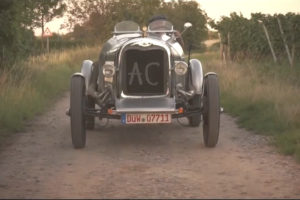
x: 142, y: 77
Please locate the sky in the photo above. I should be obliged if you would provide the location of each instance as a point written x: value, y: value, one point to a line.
x: 217, y: 8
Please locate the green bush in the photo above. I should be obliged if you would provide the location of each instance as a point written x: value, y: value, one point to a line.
x: 247, y: 37
x: 30, y: 87
x: 262, y: 96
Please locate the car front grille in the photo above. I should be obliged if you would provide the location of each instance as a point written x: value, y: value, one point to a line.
x: 145, y: 72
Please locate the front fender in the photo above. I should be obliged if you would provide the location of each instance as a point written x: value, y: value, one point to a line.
x: 86, y: 71
x: 78, y: 74
x: 196, y: 75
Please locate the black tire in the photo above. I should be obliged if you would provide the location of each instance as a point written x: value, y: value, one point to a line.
x: 211, y: 111
x: 195, y: 103
x: 90, y: 120
x: 77, y: 106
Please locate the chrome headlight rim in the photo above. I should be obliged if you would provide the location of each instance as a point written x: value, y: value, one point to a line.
x: 108, y: 69
x: 180, y: 68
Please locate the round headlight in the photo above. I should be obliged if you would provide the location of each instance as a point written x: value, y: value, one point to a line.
x: 108, y: 70
x: 181, y: 68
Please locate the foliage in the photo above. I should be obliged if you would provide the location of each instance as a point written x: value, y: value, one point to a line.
x: 17, y: 19
x: 213, y: 35
x: 44, y: 11
x: 15, y: 38
x: 94, y: 20
x: 57, y: 42
x: 26, y: 91
x: 262, y: 96
x: 247, y: 37
x: 183, y: 11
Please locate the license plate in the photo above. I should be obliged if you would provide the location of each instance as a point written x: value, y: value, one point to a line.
x: 146, y: 118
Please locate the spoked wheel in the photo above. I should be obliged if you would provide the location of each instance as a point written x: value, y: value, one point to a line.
x: 90, y: 120
x: 77, y: 106
x: 195, y: 103
x: 211, y: 111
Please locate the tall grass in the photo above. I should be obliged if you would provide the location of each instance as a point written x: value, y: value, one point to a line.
x: 29, y: 87
x: 264, y: 97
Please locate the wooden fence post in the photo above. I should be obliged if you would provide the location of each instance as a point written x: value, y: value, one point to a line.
x: 269, y: 41
x: 285, y: 43
x: 293, y: 48
x: 293, y: 53
x: 47, y: 44
x: 221, y: 45
x: 222, y: 50
x: 228, y: 47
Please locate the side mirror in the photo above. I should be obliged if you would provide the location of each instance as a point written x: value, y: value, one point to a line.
x: 186, y: 26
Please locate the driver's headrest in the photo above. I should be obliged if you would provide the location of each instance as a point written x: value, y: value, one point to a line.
x: 157, y: 17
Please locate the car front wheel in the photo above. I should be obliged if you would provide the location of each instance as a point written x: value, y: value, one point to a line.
x: 211, y: 111
x: 77, y: 106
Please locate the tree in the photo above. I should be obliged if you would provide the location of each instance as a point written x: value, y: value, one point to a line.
x: 43, y: 11
x: 15, y: 37
x: 180, y: 12
x: 95, y: 19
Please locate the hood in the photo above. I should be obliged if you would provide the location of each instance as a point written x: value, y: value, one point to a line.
x: 117, y: 42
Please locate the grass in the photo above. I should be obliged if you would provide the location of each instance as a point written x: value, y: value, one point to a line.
x: 28, y: 88
x: 264, y: 97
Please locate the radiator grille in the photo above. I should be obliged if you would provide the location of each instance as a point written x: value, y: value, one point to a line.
x: 145, y: 72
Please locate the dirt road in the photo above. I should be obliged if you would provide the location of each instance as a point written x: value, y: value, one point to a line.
x: 157, y: 161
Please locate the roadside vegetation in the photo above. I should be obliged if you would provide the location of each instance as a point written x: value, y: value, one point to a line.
x: 262, y: 96
x: 253, y: 38
x: 18, y: 19
x: 28, y: 90
x: 258, y: 64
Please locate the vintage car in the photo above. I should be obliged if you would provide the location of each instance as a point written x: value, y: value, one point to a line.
x: 143, y: 77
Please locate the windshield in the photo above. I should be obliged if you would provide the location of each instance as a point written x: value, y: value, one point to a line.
x: 160, y: 26
x: 126, y: 27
